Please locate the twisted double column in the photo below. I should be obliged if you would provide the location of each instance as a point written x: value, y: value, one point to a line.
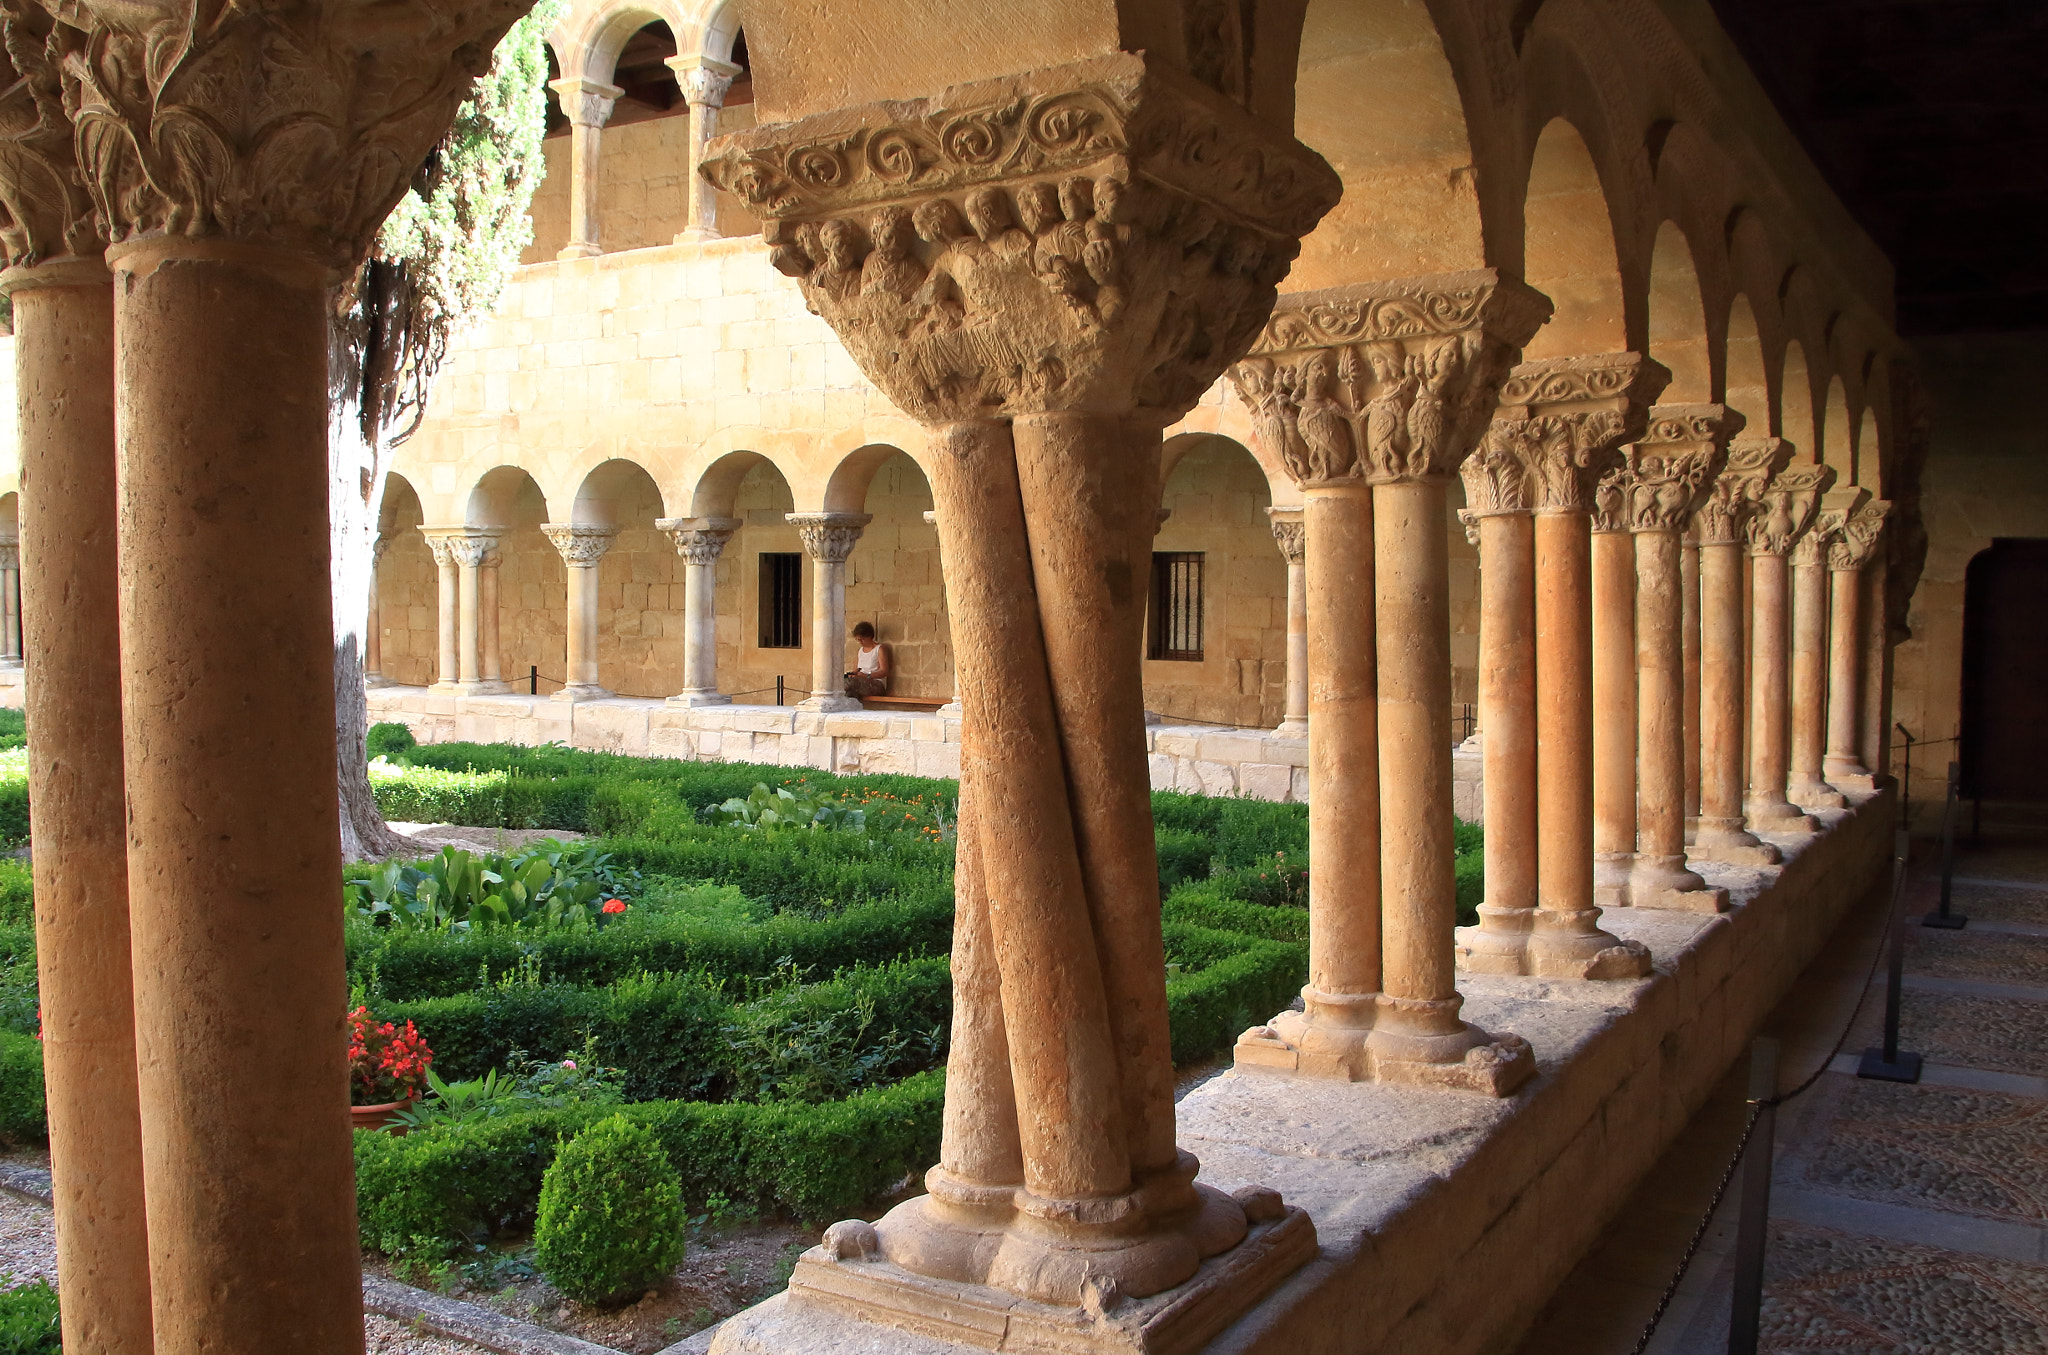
x: 1372, y: 396
x: 1559, y: 429
x: 1045, y: 295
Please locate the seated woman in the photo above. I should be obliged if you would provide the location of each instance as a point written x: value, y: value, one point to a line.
x: 870, y: 675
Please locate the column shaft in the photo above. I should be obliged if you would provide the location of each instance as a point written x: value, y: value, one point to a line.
x: 373, y: 626
x: 1769, y: 734
x: 233, y: 844
x: 586, y: 144
x: 447, y: 613
x: 64, y: 371
x: 828, y: 627
x: 468, y: 632
x: 1691, y: 646
x: 1614, y: 731
x: 1507, y: 712
x: 700, y: 629
x: 1721, y: 836
x: 490, y: 650
x: 1659, y: 877
x: 1845, y: 678
x: 1810, y: 688
x: 580, y: 634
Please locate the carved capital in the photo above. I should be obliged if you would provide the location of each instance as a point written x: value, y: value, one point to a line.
x: 705, y: 81
x: 1662, y: 478
x: 1104, y: 236
x: 1563, y: 422
x: 10, y: 555
x: 1469, y: 520
x: 48, y: 213
x: 829, y: 537
x: 1737, y: 494
x: 1385, y: 381
x: 471, y: 550
x: 1789, y: 508
x: 286, y: 127
x: 438, y: 542
x: 700, y: 541
x: 1861, y: 529
x: 580, y: 543
x: 1289, y: 532
x: 585, y: 102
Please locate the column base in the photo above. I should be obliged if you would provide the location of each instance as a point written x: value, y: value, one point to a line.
x: 1863, y: 783
x: 1777, y: 816
x: 1844, y: 772
x: 698, y: 697
x: 1726, y: 841
x: 1291, y: 729
x: 828, y: 702
x: 845, y: 1297
x: 581, y: 691
x: 1611, y: 877
x: 952, y: 710
x: 579, y: 252
x: 482, y: 687
x: 1816, y: 795
x: 371, y: 681
x: 1664, y: 882
x: 1550, y: 945
x: 1458, y: 1057
x: 696, y: 235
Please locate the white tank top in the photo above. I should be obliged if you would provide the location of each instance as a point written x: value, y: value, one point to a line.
x: 868, y: 660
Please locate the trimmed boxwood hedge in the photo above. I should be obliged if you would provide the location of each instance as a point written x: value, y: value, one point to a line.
x: 22, y: 1117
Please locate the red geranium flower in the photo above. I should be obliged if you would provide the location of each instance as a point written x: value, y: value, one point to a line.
x: 614, y: 906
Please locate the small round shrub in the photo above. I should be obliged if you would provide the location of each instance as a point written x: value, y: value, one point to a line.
x: 389, y: 739
x: 28, y: 1319
x: 611, y: 1214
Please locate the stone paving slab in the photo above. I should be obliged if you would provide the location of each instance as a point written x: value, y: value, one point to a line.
x: 1846, y: 1295
x: 1937, y: 1148
x: 1977, y: 1032
x: 2000, y: 900
x: 1978, y: 954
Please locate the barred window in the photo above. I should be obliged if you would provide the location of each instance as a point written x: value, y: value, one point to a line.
x: 782, y: 600
x: 1176, y: 605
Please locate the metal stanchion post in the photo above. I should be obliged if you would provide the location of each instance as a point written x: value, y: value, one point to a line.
x: 1753, y: 1231
x: 533, y: 680
x: 1906, y: 782
x: 1890, y: 1064
x: 1942, y: 917
x: 778, y: 689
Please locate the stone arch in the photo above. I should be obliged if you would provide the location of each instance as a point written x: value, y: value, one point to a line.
x: 1177, y: 447
x: 717, y: 489
x: 589, y: 44
x: 1748, y: 381
x: 614, y: 493
x: 400, y: 508
x: 714, y: 29
x: 1678, y: 319
x: 1868, y: 457
x: 748, y: 487
x: 1411, y: 195
x: 408, y: 586
x: 1836, y: 436
x: 1795, y: 404
x: 846, y: 491
x: 1568, y: 251
x: 505, y: 496
x: 893, y: 578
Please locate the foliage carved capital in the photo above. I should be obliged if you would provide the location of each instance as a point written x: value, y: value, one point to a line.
x: 1662, y: 478
x: 586, y: 102
x: 580, y: 543
x: 1385, y: 381
x: 1104, y: 236
x: 829, y: 537
x: 293, y: 128
x: 1560, y: 427
x: 699, y: 541
x: 49, y: 213
x: 1737, y: 494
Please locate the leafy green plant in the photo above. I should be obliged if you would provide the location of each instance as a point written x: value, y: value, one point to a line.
x: 783, y: 808
x: 540, y: 1084
x: 612, y: 1219
x: 28, y: 1319
x: 545, y: 886
x: 388, y: 739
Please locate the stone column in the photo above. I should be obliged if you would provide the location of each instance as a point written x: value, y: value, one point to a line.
x: 1391, y: 383
x: 491, y: 652
x: 10, y: 601
x: 1689, y: 637
x: 1809, y: 705
x: 1856, y: 545
x: 1789, y: 508
x: 704, y: 81
x: 1657, y: 486
x: 829, y: 539
x: 447, y: 606
x: 64, y: 386
x: 581, y: 546
x: 1721, y: 523
x: 470, y: 550
x: 373, y: 630
x: 700, y: 541
x: 1045, y: 301
x: 1289, y: 532
x: 588, y: 106
x: 224, y: 271
x: 1613, y: 563
x: 1559, y: 428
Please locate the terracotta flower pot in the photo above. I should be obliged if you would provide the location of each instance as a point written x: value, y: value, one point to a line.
x: 378, y: 1117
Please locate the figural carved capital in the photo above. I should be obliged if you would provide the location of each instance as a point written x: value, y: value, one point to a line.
x: 700, y: 541
x: 1290, y: 533
x: 1662, y: 478
x: 705, y: 81
x: 1103, y: 236
x: 471, y: 550
x: 48, y: 212
x: 287, y: 127
x: 1860, y: 531
x: 1790, y: 509
x: 829, y: 537
x: 1385, y: 381
x: 580, y: 543
x: 1722, y: 517
x: 586, y: 102
x: 1560, y: 427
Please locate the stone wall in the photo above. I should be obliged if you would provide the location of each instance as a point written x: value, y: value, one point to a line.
x: 642, y: 186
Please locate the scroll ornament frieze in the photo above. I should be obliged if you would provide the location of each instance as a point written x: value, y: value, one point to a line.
x: 1791, y: 511
x: 1859, y: 535
x: 1737, y: 494
x: 291, y: 127
x: 1110, y: 245
x: 48, y: 211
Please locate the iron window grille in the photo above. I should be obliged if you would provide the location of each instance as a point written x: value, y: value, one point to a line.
x: 782, y: 600
x: 1176, y: 629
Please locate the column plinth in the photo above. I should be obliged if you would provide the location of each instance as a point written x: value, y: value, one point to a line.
x: 1720, y: 522
x: 700, y: 541
x: 1659, y: 483
x: 582, y: 546
x: 588, y: 105
x: 1043, y: 312
x: 1559, y: 429
x: 1289, y: 534
x: 829, y: 539
x: 1791, y: 508
x: 1854, y: 547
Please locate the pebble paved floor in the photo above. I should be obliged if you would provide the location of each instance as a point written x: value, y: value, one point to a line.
x: 1905, y: 1220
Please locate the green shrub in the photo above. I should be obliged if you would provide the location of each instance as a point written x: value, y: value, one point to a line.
x: 13, y: 728
x: 388, y: 739
x: 537, y: 888
x: 28, y: 1319
x: 17, y: 893
x: 1182, y: 856
x: 22, y: 1118
x: 611, y: 1217
x: 13, y: 796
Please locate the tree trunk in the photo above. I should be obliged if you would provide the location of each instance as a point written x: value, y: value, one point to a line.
x: 364, y: 835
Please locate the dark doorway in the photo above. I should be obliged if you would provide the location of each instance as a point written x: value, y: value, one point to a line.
x: 2005, y: 672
